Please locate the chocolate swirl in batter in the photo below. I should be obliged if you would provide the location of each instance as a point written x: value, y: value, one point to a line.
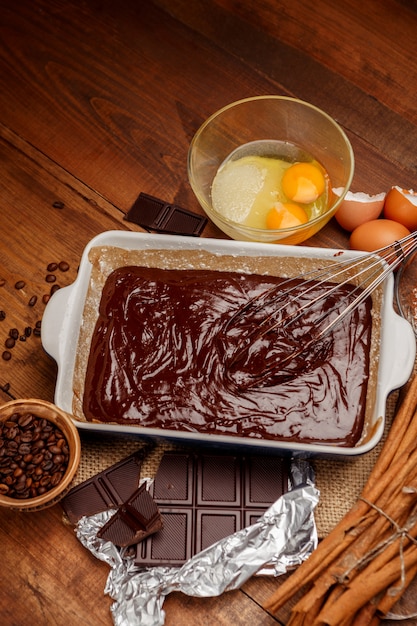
x: 173, y: 349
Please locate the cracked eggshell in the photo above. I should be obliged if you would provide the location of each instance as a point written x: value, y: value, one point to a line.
x: 401, y: 206
x: 358, y: 208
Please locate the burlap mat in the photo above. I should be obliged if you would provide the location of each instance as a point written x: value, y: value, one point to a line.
x: 340, y: 482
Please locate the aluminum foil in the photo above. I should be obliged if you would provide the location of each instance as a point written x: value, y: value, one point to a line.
x: 280, y: 540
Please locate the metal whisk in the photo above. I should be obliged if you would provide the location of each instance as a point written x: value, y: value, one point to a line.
x: 271, y: 310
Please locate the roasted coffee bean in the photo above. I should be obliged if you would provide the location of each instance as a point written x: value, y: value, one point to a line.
x: 6, y: 355
x: 10, y: 343
x: 22, y: 338
x: 37, y: 458
x: 25, y: 420
x: 55, y: 449
x: 56, y: 478
x: 34, y: 456
x: 2, y: 282
x: 45, y: 481
x: 54, y: 289
x: 52, y: 267
x: 28, y: 331
x: 50, y: 278
x: 19, y: 487
x: 20, y: 284
x: 33, y: 301
x: 11, y: 433
x: 2, y: 316
x: 58, y: 204
x: 14, y: 333
x: 64, y: 266
x: 38, y: 444
x: 24, y: 449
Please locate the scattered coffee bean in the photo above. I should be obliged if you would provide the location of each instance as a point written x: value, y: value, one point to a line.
x: 33, y: 301
x: 58, y: 204
x: 14, y: 333
x: 54, y: 288
x: 30, y: 467
x: 63, y: 266
x: 50, y: 278
x: 28, y: 331
x: 2, y: 282
x: 20, y: 284
x: 52, y: 267
x: 38, y: 324
x: 10, y: 343
x: 22, y: 338
x: 2, y: 316
x: 45, y: 298
x: 6, y: 356
x: 37, y: 332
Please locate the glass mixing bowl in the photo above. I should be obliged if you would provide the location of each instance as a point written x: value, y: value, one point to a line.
x: 270, y: 118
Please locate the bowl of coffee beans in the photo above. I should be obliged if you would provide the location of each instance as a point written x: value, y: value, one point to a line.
x: 40, y: 452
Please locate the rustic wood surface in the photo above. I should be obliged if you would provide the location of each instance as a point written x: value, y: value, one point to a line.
x: 98, y: 102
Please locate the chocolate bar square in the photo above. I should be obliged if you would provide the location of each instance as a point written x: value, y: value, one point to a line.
x: 206, y: 497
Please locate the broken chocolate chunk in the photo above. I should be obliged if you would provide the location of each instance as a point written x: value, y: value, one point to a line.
x: 106, y: 490
x: 135, y: 519
x: 154, y: 214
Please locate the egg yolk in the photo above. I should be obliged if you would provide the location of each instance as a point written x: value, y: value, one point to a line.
x: 285, y: 215
x: 303, y: 182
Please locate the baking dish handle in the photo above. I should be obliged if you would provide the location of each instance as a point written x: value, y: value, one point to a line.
x: 405, y: 342
x: 53, y: 321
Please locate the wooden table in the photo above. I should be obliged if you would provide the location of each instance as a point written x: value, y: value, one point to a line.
x: 99, y: 101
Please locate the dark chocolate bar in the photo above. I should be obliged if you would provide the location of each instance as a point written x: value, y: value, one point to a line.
x: 135, y: 519
x: 207, y: 497
x: 154, y: 214
x: 106, y: 490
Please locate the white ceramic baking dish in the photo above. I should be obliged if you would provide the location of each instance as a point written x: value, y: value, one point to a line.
x: 63, y: 317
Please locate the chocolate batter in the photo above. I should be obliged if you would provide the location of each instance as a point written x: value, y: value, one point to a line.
x: 182, y: 350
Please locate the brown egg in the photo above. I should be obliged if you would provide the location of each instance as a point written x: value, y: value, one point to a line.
x: 401, y: 206
x: 376, y: 234
x: 357, y: 208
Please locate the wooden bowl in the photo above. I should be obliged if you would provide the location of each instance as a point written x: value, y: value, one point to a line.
x: 50, y: 412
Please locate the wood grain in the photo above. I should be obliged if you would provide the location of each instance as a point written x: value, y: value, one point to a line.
x: 98, y: 102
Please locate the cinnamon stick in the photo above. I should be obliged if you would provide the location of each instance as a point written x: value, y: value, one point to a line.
x: 389, y: 492
x: 362, y: 592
